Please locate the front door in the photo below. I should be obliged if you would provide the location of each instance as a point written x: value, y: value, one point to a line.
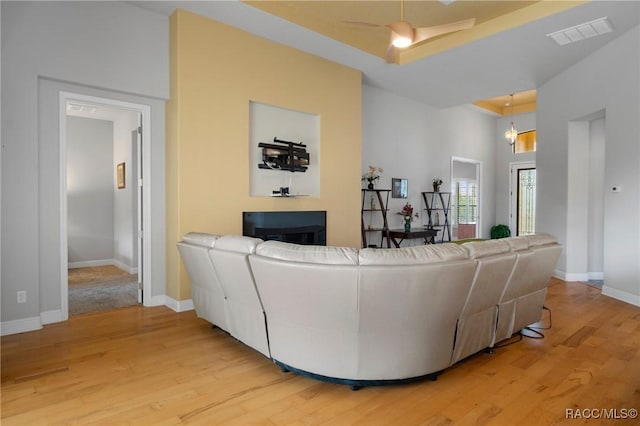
x: 523, y: 198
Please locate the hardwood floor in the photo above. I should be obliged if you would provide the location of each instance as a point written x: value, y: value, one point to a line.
x: 148, y: 366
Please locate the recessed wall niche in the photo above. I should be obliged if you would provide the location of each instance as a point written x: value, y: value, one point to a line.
x: 267, y: 122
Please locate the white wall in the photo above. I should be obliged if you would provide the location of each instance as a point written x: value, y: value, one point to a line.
x: 415, y: 141
x: 101, y: 48
x: 607, y: 80
x: 90, y: 190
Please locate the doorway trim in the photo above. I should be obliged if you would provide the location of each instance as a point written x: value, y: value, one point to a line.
x: 144, y: 164
x: 478, y: 165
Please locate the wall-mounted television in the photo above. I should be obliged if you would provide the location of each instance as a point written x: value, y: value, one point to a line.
x: 299, y: 227
x: 284, y: 155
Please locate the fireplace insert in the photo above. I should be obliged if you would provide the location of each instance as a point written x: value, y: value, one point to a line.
x: 300, y: 227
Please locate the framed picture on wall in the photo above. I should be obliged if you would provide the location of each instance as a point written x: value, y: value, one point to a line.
x: 399, y: 188
x: 120, y: 175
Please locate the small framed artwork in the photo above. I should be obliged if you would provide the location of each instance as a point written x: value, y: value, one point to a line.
x: 399, y: 188
x: 120, y: 175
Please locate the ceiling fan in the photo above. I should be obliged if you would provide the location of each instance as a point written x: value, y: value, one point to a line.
x: 404, y: 35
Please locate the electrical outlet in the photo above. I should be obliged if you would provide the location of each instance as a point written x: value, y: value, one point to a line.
x: 22, y: 297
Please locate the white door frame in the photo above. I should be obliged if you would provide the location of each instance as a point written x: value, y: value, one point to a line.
x: 513, y: 186
x: 478, y: 165
x: 144, y: 164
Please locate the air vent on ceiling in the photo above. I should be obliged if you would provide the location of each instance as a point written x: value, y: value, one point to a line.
x: 582, y: 31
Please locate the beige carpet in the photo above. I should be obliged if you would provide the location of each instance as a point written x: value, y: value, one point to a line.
x: 101, y: 288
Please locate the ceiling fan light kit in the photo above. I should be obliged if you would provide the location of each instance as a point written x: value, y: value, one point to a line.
x: 401, y: 34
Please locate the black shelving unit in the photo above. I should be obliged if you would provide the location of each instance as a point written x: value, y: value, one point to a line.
x: 437, y: 206
x: 371, y: 209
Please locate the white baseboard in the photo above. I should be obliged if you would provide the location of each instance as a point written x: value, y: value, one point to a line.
x: 596, y: 275
x: 125, y: 267
x: 157, y: 300
x: 179, y: 305
x: 49, y: 317
x: 20, y: 326
x: 578, y: 276
x: 103, y: 262
x: 571, y: 276
x: 90, y: 263
x: 624, y: 296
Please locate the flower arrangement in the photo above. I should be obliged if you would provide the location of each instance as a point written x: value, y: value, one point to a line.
x: 372, y: 175
x: 407, y: 213
x: 436, y: 184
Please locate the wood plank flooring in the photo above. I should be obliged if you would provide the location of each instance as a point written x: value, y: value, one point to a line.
x: 152, y: 366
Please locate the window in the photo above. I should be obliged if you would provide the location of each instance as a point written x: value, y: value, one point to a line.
x: 525, y: 142
x: 465, y: 202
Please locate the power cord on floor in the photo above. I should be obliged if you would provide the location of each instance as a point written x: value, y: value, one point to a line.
x: 537, y: 334
x: 510, y: 341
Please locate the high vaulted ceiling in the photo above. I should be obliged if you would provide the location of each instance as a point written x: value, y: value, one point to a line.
x: 507, y: 51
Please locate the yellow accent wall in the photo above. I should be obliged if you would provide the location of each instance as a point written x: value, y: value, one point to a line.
x: 216, y: 70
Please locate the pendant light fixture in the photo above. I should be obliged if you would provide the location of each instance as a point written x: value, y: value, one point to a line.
x: 512, y: 133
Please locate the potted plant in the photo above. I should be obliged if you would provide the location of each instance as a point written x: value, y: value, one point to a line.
x: 500, y: 231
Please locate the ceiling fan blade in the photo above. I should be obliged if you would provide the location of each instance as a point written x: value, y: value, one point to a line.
x: 392, y: 54
x: 429, y: 32
x: 364, y: 24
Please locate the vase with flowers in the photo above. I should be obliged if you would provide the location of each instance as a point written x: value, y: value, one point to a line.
x: 436, y: 184
x: 408, y: 215
x: 372, y: 176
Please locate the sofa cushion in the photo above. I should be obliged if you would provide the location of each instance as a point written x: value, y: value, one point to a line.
x: 415, y: 255
x: 540, y: 239
x: 238, y: 243
x: 479, y: 249
x: 308, y: 254
x: 200, y: 238
x: 517, y: 243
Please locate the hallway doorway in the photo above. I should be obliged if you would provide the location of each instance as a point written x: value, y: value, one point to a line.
x: 102, y: 216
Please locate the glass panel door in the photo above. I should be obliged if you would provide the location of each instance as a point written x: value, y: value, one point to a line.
x: 526, y: 214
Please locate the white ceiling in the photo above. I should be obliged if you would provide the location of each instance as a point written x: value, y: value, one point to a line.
x: 515, y: 60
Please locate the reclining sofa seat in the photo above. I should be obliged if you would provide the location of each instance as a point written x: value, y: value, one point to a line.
x: 245, y: 314
x: 409, y: 301
x: 309, y: 295
x: 362, y: 317
x: 206, y: 292
x: 477, y: 323
x: 522, y: 301
x: 222, y: 286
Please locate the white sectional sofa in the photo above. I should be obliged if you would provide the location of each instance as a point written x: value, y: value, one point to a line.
x: 368, y: 316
